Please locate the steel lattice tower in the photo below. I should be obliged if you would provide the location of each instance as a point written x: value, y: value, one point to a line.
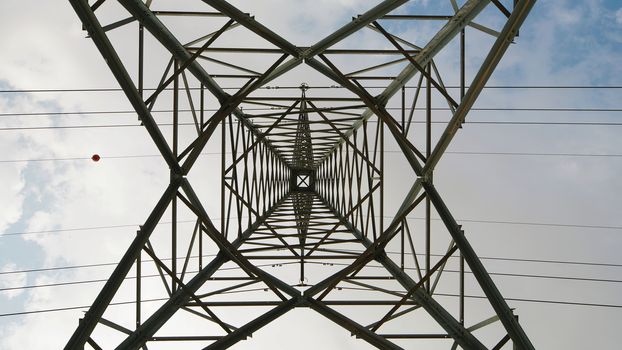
x: 299, y: 217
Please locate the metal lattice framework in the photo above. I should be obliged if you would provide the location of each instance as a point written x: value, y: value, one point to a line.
x: 300, y: 217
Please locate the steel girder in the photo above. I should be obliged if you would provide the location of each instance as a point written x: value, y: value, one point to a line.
x: 332, y: 140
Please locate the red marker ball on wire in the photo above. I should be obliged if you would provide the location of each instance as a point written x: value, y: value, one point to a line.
x: 95, y: 157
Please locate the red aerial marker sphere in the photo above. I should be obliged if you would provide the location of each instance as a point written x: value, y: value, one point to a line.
x: 95, y: 157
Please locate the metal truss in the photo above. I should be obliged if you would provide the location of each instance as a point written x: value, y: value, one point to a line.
x: 295, y: 213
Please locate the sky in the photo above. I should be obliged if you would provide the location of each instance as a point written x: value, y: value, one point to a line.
x: 562, y: 43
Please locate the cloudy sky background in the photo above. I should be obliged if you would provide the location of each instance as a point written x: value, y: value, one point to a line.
x: 562, y: 43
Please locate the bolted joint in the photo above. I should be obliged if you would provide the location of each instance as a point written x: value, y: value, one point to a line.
x: 177, y: 177
x: 425, y: 178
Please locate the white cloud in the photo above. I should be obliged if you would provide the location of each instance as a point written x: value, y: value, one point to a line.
x: 12, y: 198
x: 13, y: 280
x: 619, y: 16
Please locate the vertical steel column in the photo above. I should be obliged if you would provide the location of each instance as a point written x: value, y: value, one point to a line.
x: 404, y: 132
x: 223, y: 145
x: 381, y: 219
x: 175, y: 153
x: 141, y: 62
x: 138, y: 287
x: 462, y: 92
x: 428, y: 150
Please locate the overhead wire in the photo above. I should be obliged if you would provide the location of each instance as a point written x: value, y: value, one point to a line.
x: 109, y: 126
x: 276, y: 87
x: 526, y: 154
x: 501, y: 222
x: 488, y: 109
x: 544, y: 301
x: 529, y: 300
x: 505, y: 274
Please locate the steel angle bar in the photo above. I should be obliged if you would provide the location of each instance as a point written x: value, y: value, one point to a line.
x: 412, y: 290
x: 497, y: 51
x: 180, y: 297
x: 421, y: 70
x: 206, y: 36
x: 502, y: 8
x: 153, y: 24
x: 94, y: 344
x: 212, y: 316
x: 374, y: 67
x: 502, y: 342
x: 349, y: 324
x: 357, y: 23
x: 338, y: 131
x: 259, y: 29
x: 408, y: 149
x: 463, y: 16
x: 434, y: 309
x: 259, y: 138
x: 186, y: 63
x: 229, y: 106
x: 250, y: 23
x: 189, y: 13
x: 97, y: 309
x: 484, y: 323
x: 398, y: 39
x: 106, y: 49
x: 229, y: 249
x: 230, y: 65
x: 254, y: 325
x: 115, y: 326
x: 118, y: 24
x: 418, y: 17
x: 97, y: 4
x: 479, y: 271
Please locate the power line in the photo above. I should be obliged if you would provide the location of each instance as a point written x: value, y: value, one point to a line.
x: 69, y: 308
x: 93, y: 281
x: 543, y: 261
x: 85, y: 113
x: 573, y: 303
x: 88, y: 228
x: 543, y: 301
x: 501, y: 222
x: 547, y: 87
x: 530, y: 154
x: 108, y: 126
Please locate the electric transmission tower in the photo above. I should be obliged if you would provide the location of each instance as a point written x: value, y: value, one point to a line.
x: 301, y: 208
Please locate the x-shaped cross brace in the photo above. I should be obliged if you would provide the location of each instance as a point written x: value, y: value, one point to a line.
x: 181, y: 164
